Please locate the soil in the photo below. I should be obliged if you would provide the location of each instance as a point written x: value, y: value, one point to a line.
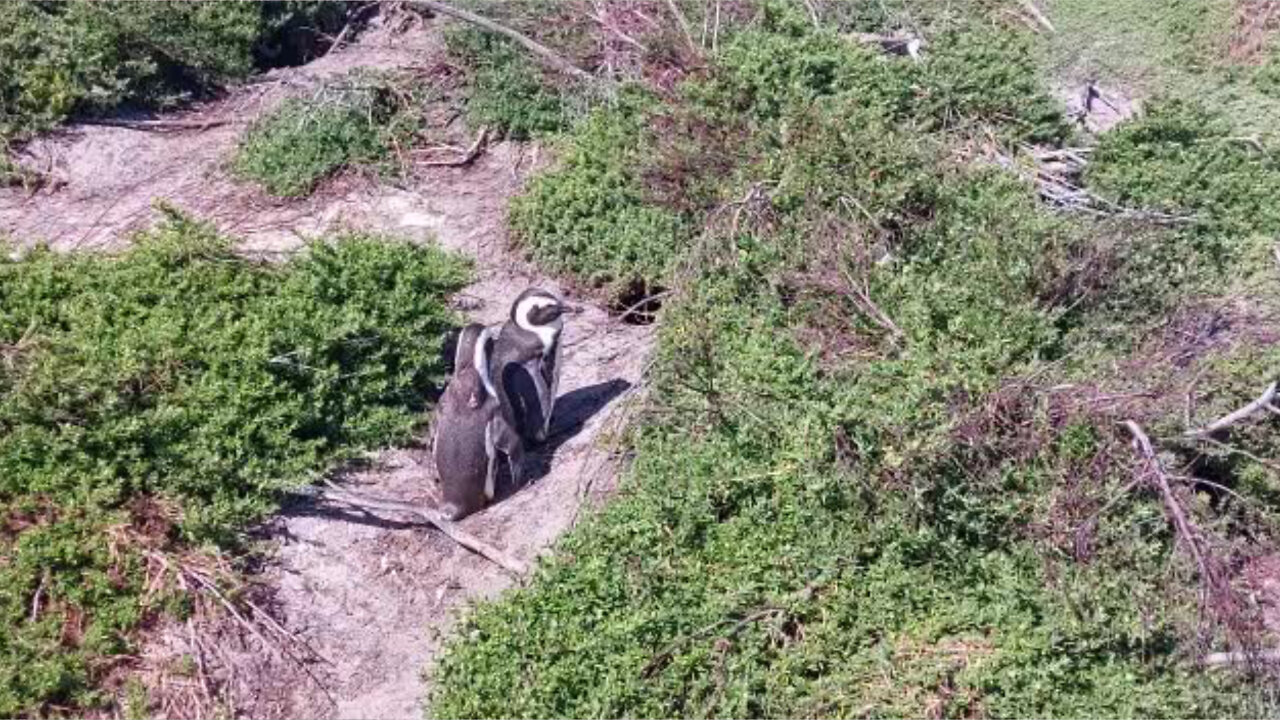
x: 369, y: 600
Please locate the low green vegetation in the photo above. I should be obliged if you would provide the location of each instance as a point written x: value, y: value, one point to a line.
x: 162, y: 399
x: 506, y: 91
x: 358, y: 120
x: 1182, y: 158
x: 646, y: 173
x: 883, y: 469
x: 87, y: 56
x: 1195, y: 50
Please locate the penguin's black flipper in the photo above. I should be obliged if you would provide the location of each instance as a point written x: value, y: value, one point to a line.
x: 522, y: 408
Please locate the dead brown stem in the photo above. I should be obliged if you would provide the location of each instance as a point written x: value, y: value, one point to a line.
x: 543, y: 53
x: 1157, y: 477
x: 468, y: 157
x: 209, y: 587
x: 861, y: 292
x: 1223, y: 659
x: 683, y: 22
x: 201, y: 671
x: 642, y: 302
x: 1217, y: 598
x: 657, y: 661
x: 161, y: 125
x: 1241, y: 452
x: 1234, y: 417
x: 1037, y: 15
x: 35, y: 600
x: 430, y: 516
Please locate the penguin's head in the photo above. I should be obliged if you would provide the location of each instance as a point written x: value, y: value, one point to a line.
x: 537, y: 310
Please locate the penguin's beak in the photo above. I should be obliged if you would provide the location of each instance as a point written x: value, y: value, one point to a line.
x: 570, y: 309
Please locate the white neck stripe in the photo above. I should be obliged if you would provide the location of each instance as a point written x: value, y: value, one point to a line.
x: 546, y: 333
x: 480, y: 358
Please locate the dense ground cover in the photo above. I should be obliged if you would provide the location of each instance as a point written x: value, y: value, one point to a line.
x: 883, y: 470
x: 155, y: 403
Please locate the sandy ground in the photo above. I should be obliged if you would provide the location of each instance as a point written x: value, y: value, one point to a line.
x: 369, y: 600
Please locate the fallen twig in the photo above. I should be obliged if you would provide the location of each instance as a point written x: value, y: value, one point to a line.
x: 658, y: 661
x: 548, y: 57
x: 160, y: 125
x: 212, y: 589
x: 1233, y: 450
x: 634, y: 307
x: 715, y: 30
x: 1052, y: 177
x: 463, y: 538
x: 1037, y: 15
x: 1232, y: 418
x: 1159, y: 479
x: 861, y: 294
x: 683, y: 22
x: 468, y: 157
x: 35, y: 600
x: 1222, y: 659
x: 198, y: 651
x: 346, y: 28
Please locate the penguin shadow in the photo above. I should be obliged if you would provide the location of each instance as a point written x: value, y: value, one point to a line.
x: 572, y: 411
x: 313, y: 502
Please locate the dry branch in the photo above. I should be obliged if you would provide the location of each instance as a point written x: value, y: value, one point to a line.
x: 35, y: 600
x: 1037, y: 15
x: 469, y: 156
x: 1222, y: 659
x: 205, y: 583
x: 1234, y: 417
x: 1219, y: 601
x: 160, y: 125
x: 634, y: 308
x: 544, y: 53
x: 683, y: 22
x: 1054, y: 174
x: 463, y: 538
x: 1159, y: 479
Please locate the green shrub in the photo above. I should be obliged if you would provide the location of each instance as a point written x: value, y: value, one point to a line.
x: 589, y: 217
x: 747, y: 570
x: 59, y: 58
x: 882, y: 474
x: 507, y: 91
x: 809, y: 115
x: 1181, y: 158
x: 169, y: 396
x: 359, y: 119
x: 989, y: 74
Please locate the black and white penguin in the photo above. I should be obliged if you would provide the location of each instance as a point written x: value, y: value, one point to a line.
x: 526, y: 362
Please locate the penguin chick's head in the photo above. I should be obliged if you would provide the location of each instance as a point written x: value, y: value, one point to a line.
x: 538, y: 311
x: 475, y: 345
x: 464, y: 355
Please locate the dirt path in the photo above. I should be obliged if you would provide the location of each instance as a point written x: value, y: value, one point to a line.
x: 374, y: 599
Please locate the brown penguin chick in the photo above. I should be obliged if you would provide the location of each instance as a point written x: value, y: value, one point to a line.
x: 470, y: 433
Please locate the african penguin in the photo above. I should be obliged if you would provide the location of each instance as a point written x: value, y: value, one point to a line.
x: 470, y: 432
x: 526, y: 362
